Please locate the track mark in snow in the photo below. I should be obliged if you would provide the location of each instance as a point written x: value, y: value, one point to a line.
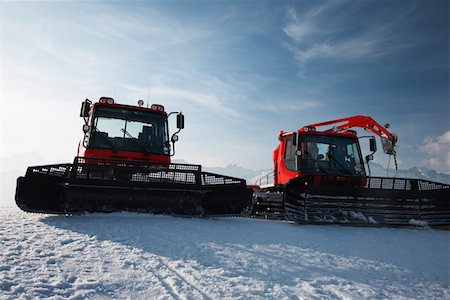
x: 184, y: 279
x: 168, y: 287
x: 175, y: 283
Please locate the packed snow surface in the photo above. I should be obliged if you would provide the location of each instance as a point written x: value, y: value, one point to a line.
x: 139, y: 256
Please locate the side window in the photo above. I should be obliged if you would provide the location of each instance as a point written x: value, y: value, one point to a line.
x: 289, y: 155
x: 349, y: 150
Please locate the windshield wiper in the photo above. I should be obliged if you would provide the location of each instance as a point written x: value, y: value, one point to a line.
x: 317, y: 162
x: 136, y: 141
x: 113, y: 147
x: 339, y: 164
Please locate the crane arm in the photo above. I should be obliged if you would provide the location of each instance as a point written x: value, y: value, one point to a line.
x: 388, y: 139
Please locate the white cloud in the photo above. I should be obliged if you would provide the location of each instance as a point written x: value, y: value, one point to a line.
x: 438, y: 151
x: 289, y: 106
x: 300, y: 27
x: 102, y: 41
x: 310, y: 40
x: 208, y: 101
x: 297, y: 29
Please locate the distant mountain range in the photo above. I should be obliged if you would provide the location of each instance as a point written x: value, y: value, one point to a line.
x: 414, y: 172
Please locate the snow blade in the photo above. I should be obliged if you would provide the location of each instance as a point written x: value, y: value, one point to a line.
x: 100, y: 185
x: 366, y: 201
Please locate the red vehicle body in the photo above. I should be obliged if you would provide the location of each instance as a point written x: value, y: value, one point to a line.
x: 122, y: 144
x: 291, y: 156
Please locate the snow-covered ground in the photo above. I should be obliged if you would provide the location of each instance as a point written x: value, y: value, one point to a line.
x: 139, y: 256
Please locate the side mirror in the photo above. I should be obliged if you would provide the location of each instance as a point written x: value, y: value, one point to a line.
x: 84, y: 112
x: 372, y: 144
x: 180, y: 121
x: 86, y: 128
x: 174, y: 138
x: 294, y: 139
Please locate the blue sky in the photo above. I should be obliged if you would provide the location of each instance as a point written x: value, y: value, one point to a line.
x: 239, y: 70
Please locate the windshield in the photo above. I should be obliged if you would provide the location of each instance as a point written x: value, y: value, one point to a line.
x: 330, y: 154
x: 121, y: 129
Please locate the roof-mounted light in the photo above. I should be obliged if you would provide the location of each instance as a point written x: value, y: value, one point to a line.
x: 108, y: 100
x: 308, y: 128
x: 140, y: 102
x: 158, y: 107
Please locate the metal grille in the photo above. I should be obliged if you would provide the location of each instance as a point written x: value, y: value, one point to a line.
x: 388, y: 183
x: 374, y: 183
x: 429, y: 185
x: 383, y: 183
x: 215, y: 179
x: 60, y: 170
x: 161, y: 176
x: 135, y: 171
x: 400, y: 184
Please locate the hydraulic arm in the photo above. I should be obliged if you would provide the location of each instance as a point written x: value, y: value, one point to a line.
x: 387, y: 138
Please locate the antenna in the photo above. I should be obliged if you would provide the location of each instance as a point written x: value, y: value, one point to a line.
x: 148, y: 97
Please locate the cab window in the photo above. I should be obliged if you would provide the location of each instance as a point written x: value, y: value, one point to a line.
x: 289, y: 155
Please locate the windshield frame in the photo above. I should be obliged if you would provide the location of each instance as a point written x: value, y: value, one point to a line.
x: 134, y: 142
x: 339, y: 160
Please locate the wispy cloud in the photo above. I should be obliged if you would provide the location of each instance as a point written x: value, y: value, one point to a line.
x: 298, y: 29
x: 289, y: 106
x: 103, y: 38
x: 311, y: 40
x: 207, y: 101
x: 301, y: 27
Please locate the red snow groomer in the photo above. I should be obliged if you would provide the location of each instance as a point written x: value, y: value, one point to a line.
x: 123, y: 164
x: 319, y: 177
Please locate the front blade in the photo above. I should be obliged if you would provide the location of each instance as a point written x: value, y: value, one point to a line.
x: 107, y: 185
x: 366, y: 201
